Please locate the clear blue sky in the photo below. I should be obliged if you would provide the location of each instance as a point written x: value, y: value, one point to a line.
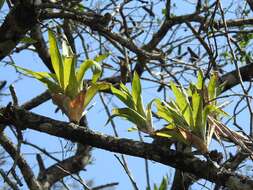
x: 105, y: 167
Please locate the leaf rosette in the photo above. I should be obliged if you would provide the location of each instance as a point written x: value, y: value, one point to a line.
x: 66, y: 83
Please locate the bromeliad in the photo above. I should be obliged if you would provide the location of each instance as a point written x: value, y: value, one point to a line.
x: 66, y: 83
x: 189, y: 116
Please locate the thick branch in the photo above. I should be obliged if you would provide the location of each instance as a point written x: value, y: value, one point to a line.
x: 184, y: 162
x: 16, y: 24
x: 128, y: 43
x: 65, y: 168
x: 41, y: 46
x: 231, y: 79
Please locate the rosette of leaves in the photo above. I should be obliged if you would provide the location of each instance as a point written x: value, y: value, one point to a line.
x: 66, y: 83
x: 134, y: 112
x: 190, y: 116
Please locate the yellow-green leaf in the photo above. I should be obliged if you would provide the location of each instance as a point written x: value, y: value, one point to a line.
x: 42, y: 77
x: 162, y: 111
x: 199, y: 126
x: 123, y: 96
x: 97, y: 70
x: 56, y: 58
x: 200, y: 81
x: 132, y: 116
x: 212, y: 86
x: 136, y: 87
x: 92, y: 91
x: 136, y: 94
x: 149, y: 118
x: 182, y: 100
x: 70, y: 81
x: 100, y: 58
x: 82, y: 69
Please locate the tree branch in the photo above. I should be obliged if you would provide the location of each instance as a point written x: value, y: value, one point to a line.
x: 25, y: 169
x: 231, y: 79
x: 75, y: 133
x: 41, y: 46
x: 16, y: 24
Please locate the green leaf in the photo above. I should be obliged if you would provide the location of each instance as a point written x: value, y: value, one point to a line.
x: 136, y: 88
x: 162, y: 111
x: 92, y: 91
x: 70, y: 80
x: 136, y: 94
x: 132, y: 129
x: 170, y: 131
x: 140, y: 107
x: 27, y: 40
x: 124, y: 89
x: 123, y: 96
x: 220, y: 89
x: 42, y: 77
x: 212, y: 86
x: 200, y: 81
x: 197, y: 103
x: 182, y: 100
x: 132, y: 116
x: 100, y: 58
x: 81, y: 71
x: 97, y: 71
x: 56, y: 58
x: 149, y: 117
x: 177, y: 117
x: 164, y: 184
x: 172, y: 115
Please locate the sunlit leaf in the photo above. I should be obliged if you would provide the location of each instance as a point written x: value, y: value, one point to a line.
x: 123, y: 96
x: 70, y: 80
x: 132, y: 116
x: 96, y: 69
x: 200, y: 81
x: 92, y: 90
x: 164, y: 184
x: 162, y: 111
x: 136, y: 94
x: 132, y: 129
x: 197, y: 103
x: 182, y: 100
x: 170, y: 131
x: 136, y: 87
x: 56, y: 58
x: 100, y: 58
x: 82, y: 69
x: 149, y: 118
x: 43, y: 77
x: 124, y: 89
x: 212, y: 86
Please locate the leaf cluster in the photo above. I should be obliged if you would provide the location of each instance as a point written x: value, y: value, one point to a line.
x: 66, y: 83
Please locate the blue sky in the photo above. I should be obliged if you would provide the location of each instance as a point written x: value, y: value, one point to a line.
x: 105, y: 167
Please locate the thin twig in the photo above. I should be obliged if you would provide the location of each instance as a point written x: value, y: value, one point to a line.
x: 128, y: 173
x: 8, y: 180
